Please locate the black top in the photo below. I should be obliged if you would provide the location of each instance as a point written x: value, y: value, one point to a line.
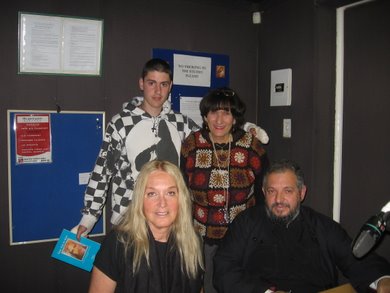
x: 163, y: 276
x: 257, y: 254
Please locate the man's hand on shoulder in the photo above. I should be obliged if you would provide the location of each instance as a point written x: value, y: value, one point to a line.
x: 384, y: 285
x: 257, y: 131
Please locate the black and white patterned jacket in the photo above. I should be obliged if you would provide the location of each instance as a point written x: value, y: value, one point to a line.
x: 132, y: 138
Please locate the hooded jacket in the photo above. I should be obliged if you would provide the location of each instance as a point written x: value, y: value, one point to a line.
x: 132, y: 138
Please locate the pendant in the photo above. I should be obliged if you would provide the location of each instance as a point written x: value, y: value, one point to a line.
x: 226, y: 215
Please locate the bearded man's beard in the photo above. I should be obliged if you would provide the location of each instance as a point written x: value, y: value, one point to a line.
x: 282, y: 220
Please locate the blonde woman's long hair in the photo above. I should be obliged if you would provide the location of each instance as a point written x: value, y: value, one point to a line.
x: 134, y: 228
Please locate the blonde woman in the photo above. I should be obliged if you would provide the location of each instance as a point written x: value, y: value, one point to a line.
x: 155, y: 249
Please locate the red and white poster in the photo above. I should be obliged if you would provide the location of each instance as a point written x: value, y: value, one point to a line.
x: 33, y: 138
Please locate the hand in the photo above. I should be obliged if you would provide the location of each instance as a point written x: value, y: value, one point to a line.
x: 260, y: 134
x: 383, y: 285
x: 80, y: 230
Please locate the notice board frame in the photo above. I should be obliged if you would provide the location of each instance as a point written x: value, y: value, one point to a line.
x: 45, y: 198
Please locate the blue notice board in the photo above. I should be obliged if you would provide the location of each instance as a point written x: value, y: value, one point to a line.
x: 45, y: 198
x: 216, y: 79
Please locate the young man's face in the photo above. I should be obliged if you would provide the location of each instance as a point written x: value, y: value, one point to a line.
x: 156, y: 87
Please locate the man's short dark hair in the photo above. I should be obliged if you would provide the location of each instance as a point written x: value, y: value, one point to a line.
x: 157, y: 64
x: 283, y: 166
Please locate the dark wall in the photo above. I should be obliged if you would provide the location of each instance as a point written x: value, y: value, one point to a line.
x: 301, y: 35
x: 131, y: 30
x: 366, y: 140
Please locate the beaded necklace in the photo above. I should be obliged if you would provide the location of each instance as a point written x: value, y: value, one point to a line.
x: 224, y: 176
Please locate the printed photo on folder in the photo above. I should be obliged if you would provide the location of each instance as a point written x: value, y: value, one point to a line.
x: 78, y: 253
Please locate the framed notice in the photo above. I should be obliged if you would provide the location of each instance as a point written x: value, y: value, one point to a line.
x: 194, y: 74
x: 59, y: 45
x: 50, y: 158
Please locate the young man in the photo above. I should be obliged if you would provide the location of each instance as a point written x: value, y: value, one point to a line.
x: 286, y: 247
x: 144, y: 130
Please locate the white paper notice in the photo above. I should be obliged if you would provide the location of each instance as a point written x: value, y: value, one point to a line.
x: 40, y: 43
x: 63, y: 45
x: 191, y: 70
x: 83, y: 50
x: 190, y: 106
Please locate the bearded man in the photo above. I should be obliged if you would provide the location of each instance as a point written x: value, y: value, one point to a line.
x: 284, y: 246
